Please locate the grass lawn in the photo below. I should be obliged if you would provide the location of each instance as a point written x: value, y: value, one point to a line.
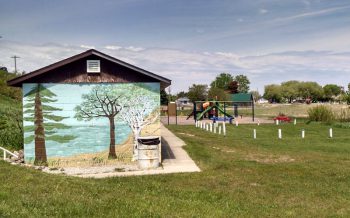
x: 241, y: 177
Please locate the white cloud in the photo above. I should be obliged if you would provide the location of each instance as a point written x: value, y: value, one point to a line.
x: 312, y: 13
x: 87, y: 46
x: 112, y: 47
x: 186, y: 68
x: 132, y: 48
x: 263, y: 11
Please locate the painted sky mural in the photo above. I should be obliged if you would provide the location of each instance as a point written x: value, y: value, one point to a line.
x: 77, y: 121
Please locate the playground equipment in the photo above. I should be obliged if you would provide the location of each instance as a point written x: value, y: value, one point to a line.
x: 211, y: 110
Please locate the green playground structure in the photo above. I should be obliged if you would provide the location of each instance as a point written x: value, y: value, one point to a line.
x: 215, y: 107
x: 214, y: 110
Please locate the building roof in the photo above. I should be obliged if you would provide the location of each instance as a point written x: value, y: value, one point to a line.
x: 242, y: 97
x: 35, y: 74
x: 183, y: 99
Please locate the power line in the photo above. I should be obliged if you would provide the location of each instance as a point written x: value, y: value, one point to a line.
x: 15, y: 59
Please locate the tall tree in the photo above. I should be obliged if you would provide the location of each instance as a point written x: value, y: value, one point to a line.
x: 103, y: 101
x: 256, y: 95
x: 164, y: 99
x: 273, y: 93
x: 217, y: 94
x: 45, y: 122
x: 198, y: 92
x: 290, y: 90
x: 310, y: 90
x: 331, y: 91
x: 181, y: 94
x: 233, y: 87
x: 243, y: 83
x: 222, y: 81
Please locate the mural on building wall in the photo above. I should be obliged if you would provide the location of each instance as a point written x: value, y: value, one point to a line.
x: 87, y: 124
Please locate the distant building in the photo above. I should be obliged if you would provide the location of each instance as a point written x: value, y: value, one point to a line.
x: 262, y: 101
x: 184, y: 102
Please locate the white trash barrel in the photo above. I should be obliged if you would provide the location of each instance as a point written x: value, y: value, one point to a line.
x: 148, y: 152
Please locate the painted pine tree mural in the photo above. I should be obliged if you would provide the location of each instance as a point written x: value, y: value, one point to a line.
x: 45, y: 123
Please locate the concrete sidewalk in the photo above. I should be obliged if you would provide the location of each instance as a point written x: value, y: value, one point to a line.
x: 175, y: 159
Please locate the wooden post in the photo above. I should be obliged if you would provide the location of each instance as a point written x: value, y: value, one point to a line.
x: 194, y: 110
x: 253, y: 111
x: 280, y: 133
x: 176, y: 113
x: 224, y: 128
x: 224, y: 111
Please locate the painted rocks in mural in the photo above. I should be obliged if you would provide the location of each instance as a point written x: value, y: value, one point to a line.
x: 87, y: 124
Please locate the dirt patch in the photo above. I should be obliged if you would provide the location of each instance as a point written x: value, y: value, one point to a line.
x: 270, y: 158
x: 182, y: 133
x: 223, y: 150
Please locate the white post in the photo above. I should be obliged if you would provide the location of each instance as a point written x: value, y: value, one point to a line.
x: 224, y: 128
x: 236, y: 123
x: 280, y: 133
x: 4, y: 155
x: 277, y: 122
x: 330, y: 133
x: 207, y: 127
x: 211, y: 127
x: 254, y: 133
x: 302, y: 134
x: 219, y: 130
x: 295, y: 121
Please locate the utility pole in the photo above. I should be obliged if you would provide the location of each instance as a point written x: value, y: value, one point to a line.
x: 15, y: 58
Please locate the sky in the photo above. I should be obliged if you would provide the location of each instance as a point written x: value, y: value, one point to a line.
x: 270, y: 41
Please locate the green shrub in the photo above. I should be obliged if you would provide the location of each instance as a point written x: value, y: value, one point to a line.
x: 321, y: 113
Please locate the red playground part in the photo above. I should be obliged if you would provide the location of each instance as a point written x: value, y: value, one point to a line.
x: 282, y: 118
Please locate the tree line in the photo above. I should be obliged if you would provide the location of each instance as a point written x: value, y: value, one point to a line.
x: 220, y: 89
x: 292, y: 91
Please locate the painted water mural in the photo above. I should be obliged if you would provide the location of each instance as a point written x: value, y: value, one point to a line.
x: 87, y: 124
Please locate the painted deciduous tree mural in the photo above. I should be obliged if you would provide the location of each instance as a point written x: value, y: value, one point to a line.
x: 45, y: 122
x: 102, y: 102
x: 133, y: 102
x: 140, y: 112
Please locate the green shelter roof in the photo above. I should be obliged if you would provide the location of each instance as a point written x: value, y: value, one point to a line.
x: 242, y: 97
